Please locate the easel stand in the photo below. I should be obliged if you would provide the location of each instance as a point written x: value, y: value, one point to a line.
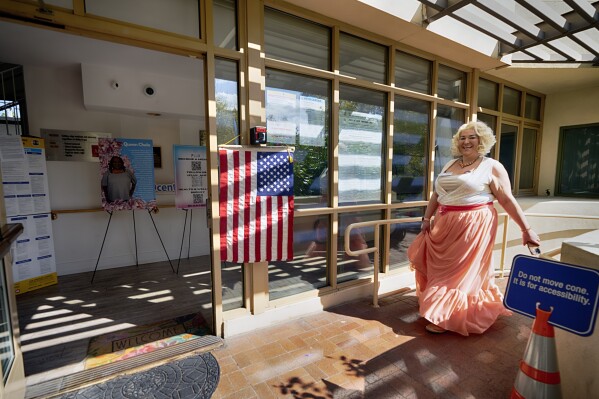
x: 135, y: 238
x: 183, y: 236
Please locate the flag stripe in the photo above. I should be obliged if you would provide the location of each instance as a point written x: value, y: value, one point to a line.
x: 290, y: 203
x: 280, y: 238
x: 246, y: 216
x: 229, y: 226
x: 258, y: 234
x: 268, y: 219
x: 224, y: 180
x: 255, y: 205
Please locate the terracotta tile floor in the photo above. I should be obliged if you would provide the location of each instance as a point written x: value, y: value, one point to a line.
x: 357, y: 351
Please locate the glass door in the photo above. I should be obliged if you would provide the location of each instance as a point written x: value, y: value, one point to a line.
x: 507, y: 149
x: 12, y: 375
x: 528, y: 159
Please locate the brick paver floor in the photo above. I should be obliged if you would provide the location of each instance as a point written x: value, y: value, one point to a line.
x: 358, y: 351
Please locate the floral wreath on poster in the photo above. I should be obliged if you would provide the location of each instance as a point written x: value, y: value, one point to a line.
x: 109, y: 149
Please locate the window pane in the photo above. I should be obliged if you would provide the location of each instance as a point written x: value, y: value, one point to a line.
x: 362, y: 58
x: 292, y: 39
x: 233, y: 287
x: 176, y: 16
x: 297, y: 114
x: 487, y: 94
x: 361, y: 144
x: 452, y: 84
x: 225, y: 24
x: 579, y: 164
x: 511, y: 101
x: 532, y: 108
x: 227, y: 102
x: 354, y: 267
x: 308, y: 270
x: 449, y: 120
x: 410, y: 148
x: 13, y: 105
x: 402, y: 236
x: 491, y: 121
x: 527, y: 160
x: 507, y: 152
x: 412, y: 73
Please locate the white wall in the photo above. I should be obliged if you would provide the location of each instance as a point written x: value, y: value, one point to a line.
x: 552, y: 230
x: 55, y: 101
x: 564, y: 109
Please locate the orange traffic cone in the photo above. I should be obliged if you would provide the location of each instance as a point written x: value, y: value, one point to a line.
x: 538, y: 376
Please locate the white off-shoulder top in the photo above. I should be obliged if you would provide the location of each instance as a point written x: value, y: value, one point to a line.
x: 470, y: 188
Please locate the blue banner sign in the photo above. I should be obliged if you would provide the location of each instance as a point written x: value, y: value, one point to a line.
x: 572, y: 291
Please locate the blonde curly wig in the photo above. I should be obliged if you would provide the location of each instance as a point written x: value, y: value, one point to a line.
x: 485, y: 136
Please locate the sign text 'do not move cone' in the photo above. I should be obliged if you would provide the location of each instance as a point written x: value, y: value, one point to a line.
x: 538, y: 376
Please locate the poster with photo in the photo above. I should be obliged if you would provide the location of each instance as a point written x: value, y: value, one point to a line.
x: 191, y: 178
x: 126, y: 174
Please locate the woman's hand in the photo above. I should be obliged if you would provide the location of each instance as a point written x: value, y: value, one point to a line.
x: 426, y: 225
x: 529, y: 236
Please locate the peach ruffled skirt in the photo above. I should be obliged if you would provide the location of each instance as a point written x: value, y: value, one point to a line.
x: 455, y: 278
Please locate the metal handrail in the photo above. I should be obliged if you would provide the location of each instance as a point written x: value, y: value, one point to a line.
x: 377, y: 223
x: 549, y: 254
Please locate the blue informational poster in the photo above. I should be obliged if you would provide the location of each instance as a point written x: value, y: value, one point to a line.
x: 570, y: 292
x: 127, y: 173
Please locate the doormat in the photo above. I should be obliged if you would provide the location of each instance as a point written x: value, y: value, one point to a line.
x: 124, y: 344
x: 195, y: 377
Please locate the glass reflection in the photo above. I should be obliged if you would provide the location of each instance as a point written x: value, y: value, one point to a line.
x: 297, y: 114
x: 362, y: 58
x: 410, y: 147
x: 227, y: 102
x: 233, y: 288
x: 402, y: 236
x: 354, y: 267
x: 225, y: 30
x: 449, y: 120
x: 412, y: 73
x: 527, y: 160
x: 308, y: 269
x: 507, y: 150
x: 361, y: 143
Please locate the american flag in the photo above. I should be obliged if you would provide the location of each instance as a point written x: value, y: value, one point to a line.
x: 256, y: 205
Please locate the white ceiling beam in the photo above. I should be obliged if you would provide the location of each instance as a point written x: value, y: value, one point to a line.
x: 546, y: 13
x: 584, y: 9
x: 509, y: 17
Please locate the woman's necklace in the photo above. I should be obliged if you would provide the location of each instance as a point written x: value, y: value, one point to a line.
x: 463, y: 165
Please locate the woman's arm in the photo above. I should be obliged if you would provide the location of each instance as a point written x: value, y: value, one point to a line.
x: 429, y: 212
x: 501, y: 188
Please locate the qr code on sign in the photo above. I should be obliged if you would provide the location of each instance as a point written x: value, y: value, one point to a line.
x: 196, y: 166
x: 198, y: 198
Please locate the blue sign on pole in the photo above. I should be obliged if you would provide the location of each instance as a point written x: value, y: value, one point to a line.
x: 572, y: 291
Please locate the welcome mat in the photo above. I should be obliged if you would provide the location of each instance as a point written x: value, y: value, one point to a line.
x: 195, y: 377
x: 124, y: 344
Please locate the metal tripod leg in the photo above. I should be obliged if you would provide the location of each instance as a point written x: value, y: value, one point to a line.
x: 156, y: 228
x: 102, y: 247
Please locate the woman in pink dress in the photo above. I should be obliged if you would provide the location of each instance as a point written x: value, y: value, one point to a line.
x: 453, y: 254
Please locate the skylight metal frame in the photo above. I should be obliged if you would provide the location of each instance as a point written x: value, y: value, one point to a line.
x: 554, y: 26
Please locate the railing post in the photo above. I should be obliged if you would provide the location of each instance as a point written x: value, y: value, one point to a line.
x: 375, y: 295
x: 506, y: 220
